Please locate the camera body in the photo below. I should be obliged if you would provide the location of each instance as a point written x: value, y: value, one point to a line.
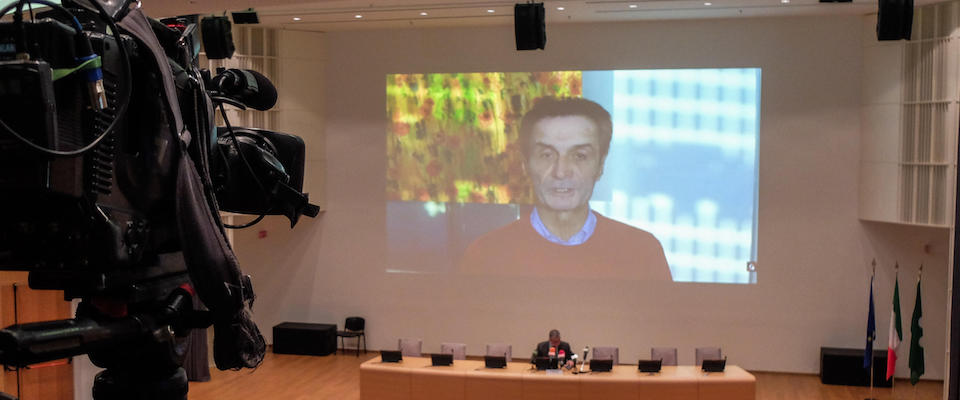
x: 109, y: 209
x: 112, y: 177
x: 112, y: 208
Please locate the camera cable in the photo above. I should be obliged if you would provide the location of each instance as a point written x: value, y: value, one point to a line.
x: 236, y: 144
x: 125, y: 89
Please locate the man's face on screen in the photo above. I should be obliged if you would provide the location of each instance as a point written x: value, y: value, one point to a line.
x: 564, y: 162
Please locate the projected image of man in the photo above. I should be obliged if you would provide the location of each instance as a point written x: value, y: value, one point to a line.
x: 565, y: 143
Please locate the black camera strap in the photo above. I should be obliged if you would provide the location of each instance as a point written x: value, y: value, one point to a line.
x: 212, y: 265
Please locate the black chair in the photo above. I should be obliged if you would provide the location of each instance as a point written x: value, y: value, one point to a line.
x: 353, y: 328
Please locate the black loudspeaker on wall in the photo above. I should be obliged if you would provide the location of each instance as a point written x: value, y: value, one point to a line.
x: 894, y: 19
x: 529, y: 26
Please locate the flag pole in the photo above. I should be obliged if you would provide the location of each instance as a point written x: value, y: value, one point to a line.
x: 893, y: 378
x: 872, y: 275
x: 919, y: 276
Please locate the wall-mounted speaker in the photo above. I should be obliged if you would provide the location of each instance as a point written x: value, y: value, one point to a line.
x: 247, y: 16
x: 217, y: 36
x: 529, y: 26
x: 894, y: 19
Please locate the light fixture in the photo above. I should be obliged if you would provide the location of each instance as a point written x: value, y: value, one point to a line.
x: 358, y: 16
x: 490, y: 10
x: 785, y: 1
x: 423, y: 13
x: 297, y: 18
x: 708, y: 4
x: 633, y: 6
x: 560, y: 8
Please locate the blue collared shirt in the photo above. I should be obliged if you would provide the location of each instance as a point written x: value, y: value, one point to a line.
x: 578, y: 238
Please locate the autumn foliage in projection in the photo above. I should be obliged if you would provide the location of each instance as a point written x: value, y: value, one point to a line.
x: 453, y: 137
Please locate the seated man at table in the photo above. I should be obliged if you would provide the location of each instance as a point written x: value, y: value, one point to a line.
x: 543, y: 348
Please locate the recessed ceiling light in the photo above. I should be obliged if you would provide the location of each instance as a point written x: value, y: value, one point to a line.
x: 358, y: 16
x: 633, y: 6
x: 490, y: 10
x: 708, y: 4
x: 785, y: 1
x: 560, y: 8
x: 297, y: 18
x: 423, y: 13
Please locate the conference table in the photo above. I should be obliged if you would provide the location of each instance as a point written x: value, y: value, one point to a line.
x: 414, y: 378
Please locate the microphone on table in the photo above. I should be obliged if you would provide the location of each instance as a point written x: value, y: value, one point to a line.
x: 574, y: 359
x: 586, y: 350
x: 560, y: 358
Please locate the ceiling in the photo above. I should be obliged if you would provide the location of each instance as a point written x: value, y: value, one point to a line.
x: 331, y: 15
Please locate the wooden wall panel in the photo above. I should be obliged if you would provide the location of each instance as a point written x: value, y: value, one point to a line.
x: 20, y: 304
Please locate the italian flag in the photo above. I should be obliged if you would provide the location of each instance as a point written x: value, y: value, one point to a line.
x: 896, y: 331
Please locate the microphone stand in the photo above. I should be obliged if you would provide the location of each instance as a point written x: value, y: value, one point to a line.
x: 586, y: 350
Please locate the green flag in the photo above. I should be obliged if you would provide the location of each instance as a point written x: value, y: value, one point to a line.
x: 916, y: 332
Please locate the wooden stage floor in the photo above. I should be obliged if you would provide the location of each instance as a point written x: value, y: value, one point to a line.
x: 285, y: 377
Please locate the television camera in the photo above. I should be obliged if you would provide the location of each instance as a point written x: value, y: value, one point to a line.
x: 112, y: 178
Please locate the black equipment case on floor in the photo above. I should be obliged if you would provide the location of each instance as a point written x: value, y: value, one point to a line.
x: 305, y: 338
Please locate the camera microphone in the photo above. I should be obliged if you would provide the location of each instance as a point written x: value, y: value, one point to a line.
x: 247, y: 87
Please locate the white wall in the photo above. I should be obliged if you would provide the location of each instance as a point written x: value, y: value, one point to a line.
x: 301, y: 103
x: 814, y: 253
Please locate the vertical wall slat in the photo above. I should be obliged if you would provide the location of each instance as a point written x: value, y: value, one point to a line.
x: 928, y: 127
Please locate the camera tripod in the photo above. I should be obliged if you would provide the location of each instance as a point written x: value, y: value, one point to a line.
x: 140, y: 341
